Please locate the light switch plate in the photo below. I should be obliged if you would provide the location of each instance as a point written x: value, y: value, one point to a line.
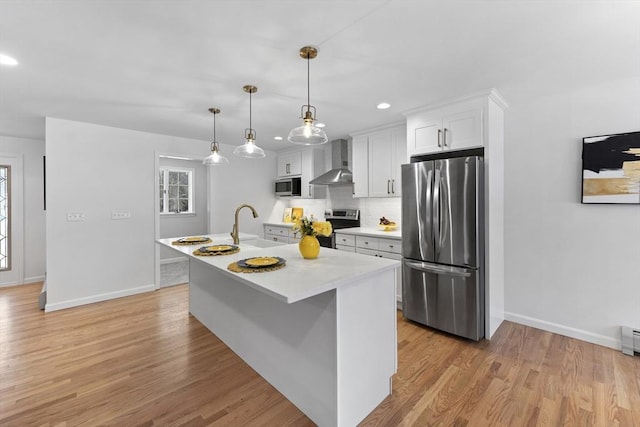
x: 120, y: 215
x: 75, y: 216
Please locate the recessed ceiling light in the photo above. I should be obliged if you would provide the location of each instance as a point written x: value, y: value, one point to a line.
x: 383, y: 106
x: 7, y: 60
x: 277, y: 138
x: 319, y: 125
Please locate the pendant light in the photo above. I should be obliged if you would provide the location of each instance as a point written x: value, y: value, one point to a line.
x: 308, y: 134
x: 249, y: 148
x: 215, y: 158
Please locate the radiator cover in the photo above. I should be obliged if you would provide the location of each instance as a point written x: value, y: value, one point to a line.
x: 630, y: 340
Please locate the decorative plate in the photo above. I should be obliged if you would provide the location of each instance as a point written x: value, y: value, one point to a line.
x: 261, y: 262
x: 217, y: 248
x: 193, y: 239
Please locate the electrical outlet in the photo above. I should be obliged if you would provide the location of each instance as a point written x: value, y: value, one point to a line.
x: 75, y: 216
x: 120, y: 215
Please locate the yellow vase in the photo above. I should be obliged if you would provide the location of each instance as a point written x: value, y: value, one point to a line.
x: 309, y: 247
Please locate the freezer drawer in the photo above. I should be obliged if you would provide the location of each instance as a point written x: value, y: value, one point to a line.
x: 450, y: 299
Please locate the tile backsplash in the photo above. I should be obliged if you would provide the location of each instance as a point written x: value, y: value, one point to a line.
x: 341, y: 196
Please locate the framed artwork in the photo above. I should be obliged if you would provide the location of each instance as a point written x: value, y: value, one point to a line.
x: 611, y: 168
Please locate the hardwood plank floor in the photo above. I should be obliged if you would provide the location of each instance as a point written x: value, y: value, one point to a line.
x: 143, y: 361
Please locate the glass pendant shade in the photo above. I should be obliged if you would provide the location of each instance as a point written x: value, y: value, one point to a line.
x: 249, y: 149
x: 307, y: 134
x: 215, y: 158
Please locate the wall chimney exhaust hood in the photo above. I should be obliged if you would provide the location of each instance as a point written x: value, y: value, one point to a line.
x: 339, y: 173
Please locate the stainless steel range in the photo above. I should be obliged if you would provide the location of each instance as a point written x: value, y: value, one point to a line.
x: 339, y: 219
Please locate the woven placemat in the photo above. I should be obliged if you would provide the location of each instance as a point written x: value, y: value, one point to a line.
x: 237, y: 269
x: 216, y: 253
x: 187, y: 243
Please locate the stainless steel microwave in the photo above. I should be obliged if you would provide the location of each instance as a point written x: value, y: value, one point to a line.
x: 288, y: 187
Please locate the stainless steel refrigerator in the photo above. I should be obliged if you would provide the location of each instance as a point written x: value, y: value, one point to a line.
x: 443, y: 242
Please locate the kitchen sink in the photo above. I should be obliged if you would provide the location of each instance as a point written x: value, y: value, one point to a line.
x: 260, y: 243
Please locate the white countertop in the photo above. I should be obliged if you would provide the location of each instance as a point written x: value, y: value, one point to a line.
x: 300, y: 278
x: 279, y: 224
x: 372, y: 232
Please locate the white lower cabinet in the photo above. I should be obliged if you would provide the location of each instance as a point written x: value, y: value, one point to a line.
x: 374, y: 246
x: 280, y: 233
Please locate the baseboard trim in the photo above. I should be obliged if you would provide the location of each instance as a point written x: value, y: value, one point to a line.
x: 97, y: 298
x: 603, y: 340
x: 172, y: 260
x: 26, y: 281
x: 34, y: 279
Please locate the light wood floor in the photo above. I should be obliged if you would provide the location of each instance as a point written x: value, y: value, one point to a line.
x: 143, y: 361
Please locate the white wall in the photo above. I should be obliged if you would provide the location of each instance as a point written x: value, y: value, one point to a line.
x: 186, y: 224
x: 243, y: 181
x: 570, y: 268
x: 98, y: 169
x: 31, y: 152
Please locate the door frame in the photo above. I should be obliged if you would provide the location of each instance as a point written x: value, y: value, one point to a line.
x: 15, y: 276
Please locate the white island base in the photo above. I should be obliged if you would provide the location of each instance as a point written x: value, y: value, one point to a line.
x: 327, y: 344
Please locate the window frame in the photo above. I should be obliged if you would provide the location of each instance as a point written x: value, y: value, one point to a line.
x: 8, y: 256
x: 164, y: 187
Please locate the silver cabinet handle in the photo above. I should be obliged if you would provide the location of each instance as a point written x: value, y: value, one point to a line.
x: 445, y: 136
x: 309, y: 190
x: 388, y: 182
x: 288, y: 168
x: 439, y: 136
x: 393, y: 186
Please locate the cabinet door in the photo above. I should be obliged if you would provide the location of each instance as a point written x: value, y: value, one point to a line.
x: 398, y: 158
x: 289, y: 164
x: 462, y: 130
x: 424, y: 134
x: 360, y: 166
x: 380, y: 158
x: 312, y: 164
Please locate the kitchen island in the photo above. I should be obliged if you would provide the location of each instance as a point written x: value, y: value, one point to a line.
x: 322, y: 332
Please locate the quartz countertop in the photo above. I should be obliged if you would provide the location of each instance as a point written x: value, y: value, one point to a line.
x: 371, y: 232
x: 300, y: 278
x: 278, y: 224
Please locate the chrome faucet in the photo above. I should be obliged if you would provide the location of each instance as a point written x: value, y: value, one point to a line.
x: 234, y: 232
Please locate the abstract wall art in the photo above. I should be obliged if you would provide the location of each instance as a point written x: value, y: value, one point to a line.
x: 611, y: 168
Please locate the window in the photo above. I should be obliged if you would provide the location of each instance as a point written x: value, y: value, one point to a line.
x: 5, y: 213
x: 176, y: 190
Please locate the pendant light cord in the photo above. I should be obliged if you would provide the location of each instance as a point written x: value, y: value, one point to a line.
x: 308, y: 84
x: 250, y: 128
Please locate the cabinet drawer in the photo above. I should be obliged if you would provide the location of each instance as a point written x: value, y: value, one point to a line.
x: 390, y: 245
x: 369, y: 252
x: 345, y: 239
x: 367, y: 242
x: 390, y: 255
x: 276, y: 238
x: 276, y: 231
x: 345, y: 248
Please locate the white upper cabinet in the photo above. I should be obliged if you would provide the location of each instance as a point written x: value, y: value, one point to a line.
x: 312, y: 165
x: 307, y: 164
x: 360, y: 166
x: 377, y: 157
x: 289, y: 164
x: 452, y: 127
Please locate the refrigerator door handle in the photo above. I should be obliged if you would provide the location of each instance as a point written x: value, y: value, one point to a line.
x: 436, y: 212
x: 438, y: 269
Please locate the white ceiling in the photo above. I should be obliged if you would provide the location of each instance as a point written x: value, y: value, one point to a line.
x: 157, y: 66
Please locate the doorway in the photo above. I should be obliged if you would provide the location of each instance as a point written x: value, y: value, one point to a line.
x: 181, y: 210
